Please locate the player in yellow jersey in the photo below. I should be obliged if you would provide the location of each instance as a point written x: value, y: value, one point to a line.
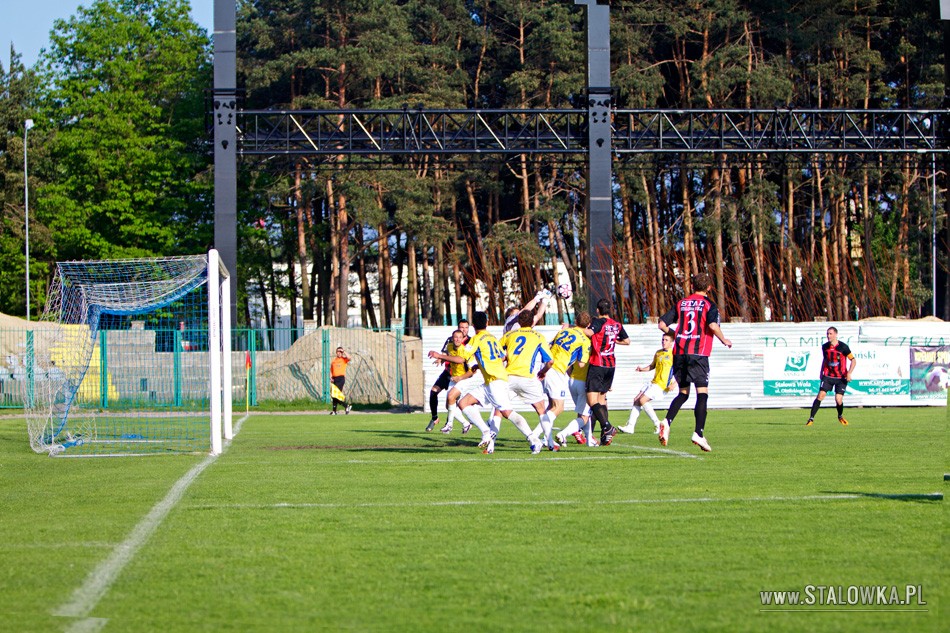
x: 580, y: 427
x: 459, y: 375
x: 446, y: 378
x: 486, y: 352
x: 528, y: 356
x: 568, y: 346
x: 662, y: 383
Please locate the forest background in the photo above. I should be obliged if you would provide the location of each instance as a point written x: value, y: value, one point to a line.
x: 120, y: 163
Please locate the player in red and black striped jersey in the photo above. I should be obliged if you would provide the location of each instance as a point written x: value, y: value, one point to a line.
x: 697, y: 322
x: 605, y: 334
x: 834, y: 356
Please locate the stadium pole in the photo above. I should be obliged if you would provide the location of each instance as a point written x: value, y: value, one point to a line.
x: 599, y: 153
x: 27, y: 126
x: 224, y: 113
x: 945, y: 19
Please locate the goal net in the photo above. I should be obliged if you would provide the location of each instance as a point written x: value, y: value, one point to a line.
x: 133, y: 357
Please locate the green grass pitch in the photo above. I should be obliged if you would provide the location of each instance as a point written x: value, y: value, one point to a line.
x: 367, y: 523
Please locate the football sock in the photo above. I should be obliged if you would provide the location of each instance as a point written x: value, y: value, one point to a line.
x: 700, y: 412
x: 650, y: 412
x: 434, y: 403
x: 518, y: 420
x: 632, y: 420
x: 814, y: 408
x: 675, y: 406
x: 571, y: 428
x: 599, y: 412
x: 475, y: 418
x: 453, y: 413
x: 587, y: 429
x: 546, y: 428
x: 840, y: 409
x: 495, y: 423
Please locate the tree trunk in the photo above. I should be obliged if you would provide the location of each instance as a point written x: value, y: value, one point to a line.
x: 439, y: 287
x: 688, y: 237
x: 630, y: 267
x: 715, y: 180
x: 343, y: 284
x: 292, y: 285
x: 788, y: 235
x: 457, y: 278
x: 367, y: 309
x: 901, y: 256
x: 758, y: 254
x: 826, y: 273
x: 306, y: 297
x: 656, y: 300
x: 334, y: 254
x: 479, y: 255
x: 413, y: 327
x: 736, y: 251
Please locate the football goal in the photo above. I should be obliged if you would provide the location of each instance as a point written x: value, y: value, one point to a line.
x: 132, y: 357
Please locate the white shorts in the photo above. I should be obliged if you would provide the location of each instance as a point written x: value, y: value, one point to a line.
x: 555, y: 385
x: 579, y: 396
x: 467, y: 385
x: 652, y: 391
x: 495, y: 394
x: 528, y: 389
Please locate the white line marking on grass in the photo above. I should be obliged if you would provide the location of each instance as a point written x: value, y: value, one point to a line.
x: 488, y: 460
x: 665, y: 451
x: 545, y: 502
x: 560, y: 457
x: 87, y: 625
x: 98, y: 582
x: 62, y: 545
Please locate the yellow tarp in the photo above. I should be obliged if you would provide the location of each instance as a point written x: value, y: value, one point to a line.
x: 71, y: 354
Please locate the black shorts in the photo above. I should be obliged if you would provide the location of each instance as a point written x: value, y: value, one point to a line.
x: 600, y: 379
x: 837, y: 384
x: 443, y: 381
x: 691, y: 369
x: 339, y: 381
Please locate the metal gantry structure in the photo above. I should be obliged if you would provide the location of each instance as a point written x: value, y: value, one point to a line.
x: 595, y: 136
x: 329, y: 134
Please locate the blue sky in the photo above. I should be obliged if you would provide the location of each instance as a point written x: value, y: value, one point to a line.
x: 27, y: 23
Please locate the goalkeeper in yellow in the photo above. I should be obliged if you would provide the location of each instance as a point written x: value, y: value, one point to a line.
x: 662, y: 383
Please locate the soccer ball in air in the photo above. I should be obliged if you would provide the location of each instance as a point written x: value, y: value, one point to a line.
x: 564, y: 290
x: 937, y: 379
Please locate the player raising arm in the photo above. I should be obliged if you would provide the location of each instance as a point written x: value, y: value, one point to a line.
x: 486, y: 351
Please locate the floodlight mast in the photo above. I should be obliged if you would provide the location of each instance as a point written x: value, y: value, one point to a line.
x: 599, y: 204
x: 224, y: 113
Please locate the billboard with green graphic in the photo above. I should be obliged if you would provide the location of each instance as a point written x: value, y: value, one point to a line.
x: 795, y: 371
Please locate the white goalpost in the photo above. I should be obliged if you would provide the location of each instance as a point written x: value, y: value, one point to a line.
x: 133, y: 357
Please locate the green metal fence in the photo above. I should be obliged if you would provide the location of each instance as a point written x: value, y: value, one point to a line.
x: 280, y: 365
